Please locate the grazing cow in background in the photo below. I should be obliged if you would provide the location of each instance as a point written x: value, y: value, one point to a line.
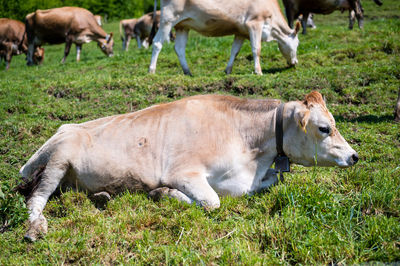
x: 65, y: 25
x: 257, y: 20
x: 98, y: 19
x: 192, y: 149
x: 295, y: 8
x: 140, y: 29
x: 126, y: 27
x: 13, y: 41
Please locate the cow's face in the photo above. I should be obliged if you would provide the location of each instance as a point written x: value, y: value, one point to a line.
x: 288, y: 46
x: 107, y: 45
x: 314, y: 137
x: 38, y: 55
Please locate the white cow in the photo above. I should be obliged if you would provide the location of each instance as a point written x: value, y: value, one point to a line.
x: 257, y: 20
x: 193, y: 149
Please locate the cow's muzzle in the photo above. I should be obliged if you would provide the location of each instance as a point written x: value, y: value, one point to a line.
x: 353, y: 159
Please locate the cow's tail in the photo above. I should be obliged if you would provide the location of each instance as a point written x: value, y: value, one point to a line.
x: 153, y: 28
x: 32, y: 171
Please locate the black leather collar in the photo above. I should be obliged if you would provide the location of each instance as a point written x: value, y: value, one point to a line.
x: 282, y: 163
x: 279, y: 129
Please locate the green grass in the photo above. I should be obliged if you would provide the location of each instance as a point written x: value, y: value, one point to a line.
x: 323, y: 215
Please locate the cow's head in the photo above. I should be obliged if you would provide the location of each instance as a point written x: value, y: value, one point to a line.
x: 38, y: 55
x: 106, y: 45
x: 288, y: 46
x: 311, y: 135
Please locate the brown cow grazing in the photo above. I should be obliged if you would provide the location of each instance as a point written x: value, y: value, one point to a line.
x: 13, y: 41
x: 295, y: 8
x: 257, y: 20
x: 195, y: 149
x: 65, y: 25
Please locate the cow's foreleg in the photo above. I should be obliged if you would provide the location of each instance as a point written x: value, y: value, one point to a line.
x: 180, y: 46
x: 194, y: 187
x: 8, y: 56
x: 352, y: 18
x: 78, y: 52
x: 255, y: 32
x: 237, y: 44
x: 29, y: 56
x: 161, y: 36
x: 304, y: 23
x: 359, y: 12
x: 270, y: 179
x: 68, y: 45
x: 52, y: 176
x: 139, y: 41
x: 161, y: 192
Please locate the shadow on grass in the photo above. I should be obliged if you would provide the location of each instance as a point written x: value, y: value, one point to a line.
x: 366, y: 118
x: 276, y: 70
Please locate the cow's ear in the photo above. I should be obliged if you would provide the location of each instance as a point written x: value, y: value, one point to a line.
x: 110, y: 37
x: 302, y: 118
x: 297, y: 28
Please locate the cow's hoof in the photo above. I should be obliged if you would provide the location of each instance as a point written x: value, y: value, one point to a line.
x: 29, y: 238
x: 187, y: 73
x: 158, y: 193
x: 100, y: 199
x: 37, y: 229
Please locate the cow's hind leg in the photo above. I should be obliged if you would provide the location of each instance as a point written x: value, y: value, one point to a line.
x: 180, y: 46
x: 237, y: 44
x: 52, y: 175
x: 68, y: 44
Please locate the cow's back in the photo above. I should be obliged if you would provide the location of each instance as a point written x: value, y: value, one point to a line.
x: 11, y: 30
x: 52, y: 25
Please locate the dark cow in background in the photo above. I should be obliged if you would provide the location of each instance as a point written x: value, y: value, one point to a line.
x: 140, y: 29
x: 295, y: 8
x: 13, y: 41
x: 65, y: 25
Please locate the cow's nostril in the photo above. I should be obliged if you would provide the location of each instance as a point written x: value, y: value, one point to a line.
x: 354, y: 157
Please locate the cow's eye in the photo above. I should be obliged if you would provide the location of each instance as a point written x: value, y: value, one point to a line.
x: 324, y: 129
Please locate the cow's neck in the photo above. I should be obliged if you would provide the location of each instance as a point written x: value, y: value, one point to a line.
x: 257, y: 128
x: 99, y: 35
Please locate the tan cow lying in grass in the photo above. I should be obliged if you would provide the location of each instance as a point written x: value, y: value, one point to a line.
x: 193, y: 149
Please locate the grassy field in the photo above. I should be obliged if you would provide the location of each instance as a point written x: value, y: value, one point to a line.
x: 318, y: 215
